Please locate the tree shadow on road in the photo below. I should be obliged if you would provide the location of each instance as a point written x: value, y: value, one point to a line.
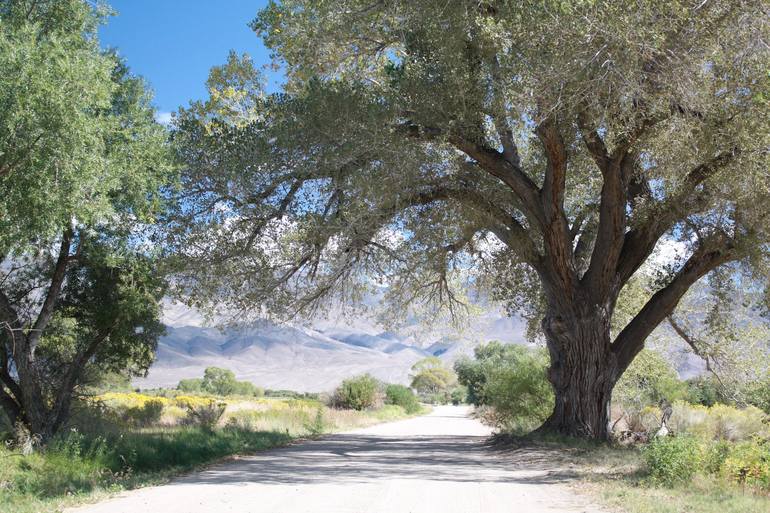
x: 342, y: 459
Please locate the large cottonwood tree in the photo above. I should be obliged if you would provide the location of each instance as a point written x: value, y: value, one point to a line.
x: 559, y: 143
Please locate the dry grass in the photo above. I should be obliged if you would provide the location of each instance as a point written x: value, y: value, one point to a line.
x: 108, y: 452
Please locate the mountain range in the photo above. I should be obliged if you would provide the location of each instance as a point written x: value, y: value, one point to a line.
x: 313, y: 358
x: 318, y: 356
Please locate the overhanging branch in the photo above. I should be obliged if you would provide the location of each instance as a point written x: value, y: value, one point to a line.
x: 631, y: 339
x: 639, y: 242
x: 495, y: 164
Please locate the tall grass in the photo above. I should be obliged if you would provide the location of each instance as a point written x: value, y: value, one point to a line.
x: 77, y: 465
x: 107, y: 449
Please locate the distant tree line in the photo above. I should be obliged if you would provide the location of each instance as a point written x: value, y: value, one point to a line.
x: 218, y: 381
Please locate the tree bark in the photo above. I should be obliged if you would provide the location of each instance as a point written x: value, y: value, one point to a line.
x: 583, y: 373
x: 24, y: 398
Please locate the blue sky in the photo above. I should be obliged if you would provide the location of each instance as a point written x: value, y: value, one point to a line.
x: 174, y: 43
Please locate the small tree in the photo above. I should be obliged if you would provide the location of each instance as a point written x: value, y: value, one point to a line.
x: 432, y: 380
x: 219, y: 381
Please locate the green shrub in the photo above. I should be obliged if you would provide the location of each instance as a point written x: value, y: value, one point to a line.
x: 191, y: 386
x: 248, y: 389
x: 748, y: 463
x: 145, y: 415
x: 704, y: 390
x: 400, y: 395
x: 508, y: 384
x: 518, y: 391
x: 206, y: 415
x: 673, y: 460
x: 459, y: 395
x: 715, y: 456
x: 357, y: 393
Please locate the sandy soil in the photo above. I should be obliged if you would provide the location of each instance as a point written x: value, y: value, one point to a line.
x: 436, y: 463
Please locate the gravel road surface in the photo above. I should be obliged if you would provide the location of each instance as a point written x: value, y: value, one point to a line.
x: 435, y: 463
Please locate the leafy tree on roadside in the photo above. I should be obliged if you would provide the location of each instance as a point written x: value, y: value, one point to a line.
x: 81, y: 163
x: 458, y: 395
x: 431, y: 379
x: 547, y: 152
x: 474, y: 372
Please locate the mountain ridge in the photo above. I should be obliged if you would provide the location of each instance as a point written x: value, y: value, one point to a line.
x: 315, y: 358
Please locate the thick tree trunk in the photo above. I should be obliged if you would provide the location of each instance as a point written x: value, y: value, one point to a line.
x: 44, y: 413
x: 9, y: 407
x: 583, y: 373
x: 41, y: 420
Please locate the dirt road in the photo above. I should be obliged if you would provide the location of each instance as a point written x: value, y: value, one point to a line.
x: 436, y: 463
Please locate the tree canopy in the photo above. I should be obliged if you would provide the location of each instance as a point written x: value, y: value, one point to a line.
x: 72, y: 120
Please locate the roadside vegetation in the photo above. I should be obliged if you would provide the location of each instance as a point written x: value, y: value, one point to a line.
x: 365, y: 392
x: 601, y: 173
x: 435, y: 383
x: 714, y: 454
x: 124, y: 439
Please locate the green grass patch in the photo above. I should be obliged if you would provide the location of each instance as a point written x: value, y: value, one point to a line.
x: 622, y: 479
x: 704, y: 494
x: 76, y: 467
x: 102, y: 457
x: 391, y: 412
